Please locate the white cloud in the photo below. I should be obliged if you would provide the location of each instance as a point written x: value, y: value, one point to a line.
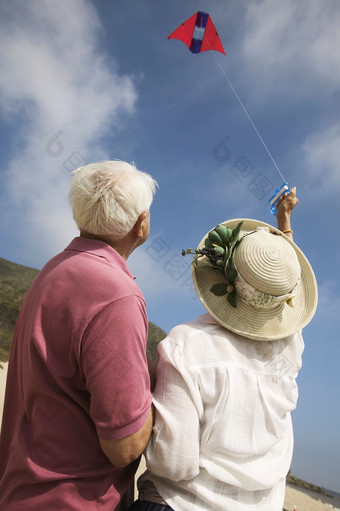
x: 160, y: 268
x: 321, y: 155
x: 150, y: 275
x: 329, y: 299
x: 54, y: 81
x: 289, y: 42
x: 290, y: 51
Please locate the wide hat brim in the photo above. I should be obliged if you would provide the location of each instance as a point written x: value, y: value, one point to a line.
x: 246, y: 320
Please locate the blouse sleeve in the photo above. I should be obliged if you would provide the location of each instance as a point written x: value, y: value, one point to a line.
x: 173, y: 450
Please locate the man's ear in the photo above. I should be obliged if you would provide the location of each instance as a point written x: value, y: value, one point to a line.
x: 140, y: 225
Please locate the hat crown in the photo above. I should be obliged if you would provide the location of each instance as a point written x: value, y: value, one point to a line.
x: 267, y: 263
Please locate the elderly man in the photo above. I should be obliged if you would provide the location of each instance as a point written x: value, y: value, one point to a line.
x: 77, y: 412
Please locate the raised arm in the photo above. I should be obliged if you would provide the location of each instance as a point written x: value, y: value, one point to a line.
x: 285, y: 206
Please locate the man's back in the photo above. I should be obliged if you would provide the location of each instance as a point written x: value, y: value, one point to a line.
x: 81, y: 331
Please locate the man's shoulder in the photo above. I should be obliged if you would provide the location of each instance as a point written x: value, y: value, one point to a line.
x: 97, y: 271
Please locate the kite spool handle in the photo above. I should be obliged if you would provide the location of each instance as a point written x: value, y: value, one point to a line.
x: 284, y: 188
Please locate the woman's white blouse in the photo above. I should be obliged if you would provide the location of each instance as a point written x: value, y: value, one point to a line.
x: 222, y: 438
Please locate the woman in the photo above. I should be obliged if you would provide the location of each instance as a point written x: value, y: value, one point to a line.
x: 222, y: 437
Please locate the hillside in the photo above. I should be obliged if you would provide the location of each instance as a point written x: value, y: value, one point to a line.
x: 14, y: 283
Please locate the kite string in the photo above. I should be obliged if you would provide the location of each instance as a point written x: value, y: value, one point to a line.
x: 248, y: 116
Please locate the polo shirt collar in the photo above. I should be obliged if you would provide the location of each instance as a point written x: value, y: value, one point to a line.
x: 99, y: 249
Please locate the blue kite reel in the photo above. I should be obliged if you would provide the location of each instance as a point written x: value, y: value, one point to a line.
x: 284, y: 188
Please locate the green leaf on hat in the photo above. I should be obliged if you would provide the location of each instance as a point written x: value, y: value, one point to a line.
x: 232, y: 299
x: 231, y: 275
x: 236, y: 231
x: 215, y: 237
x: 219, y: 289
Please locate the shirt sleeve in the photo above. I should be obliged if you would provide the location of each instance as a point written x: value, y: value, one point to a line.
x: 115, y: 368
x: 173, y: 450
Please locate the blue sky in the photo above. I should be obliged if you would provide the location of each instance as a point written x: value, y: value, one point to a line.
x: 85, y: 80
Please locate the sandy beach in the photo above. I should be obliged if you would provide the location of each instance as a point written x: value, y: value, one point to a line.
x: 295, y: 500
x: 303, y: 500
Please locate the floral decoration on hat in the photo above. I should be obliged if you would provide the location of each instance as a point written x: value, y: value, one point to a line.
x: 219, y: 247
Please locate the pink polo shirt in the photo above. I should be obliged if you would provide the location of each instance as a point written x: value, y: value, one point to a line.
x: 77, y: 371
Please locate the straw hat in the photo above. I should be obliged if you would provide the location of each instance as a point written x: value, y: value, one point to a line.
x: 276, y: 290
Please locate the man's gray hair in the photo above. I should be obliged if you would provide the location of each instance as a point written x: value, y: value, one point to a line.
x: 108, y: 197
